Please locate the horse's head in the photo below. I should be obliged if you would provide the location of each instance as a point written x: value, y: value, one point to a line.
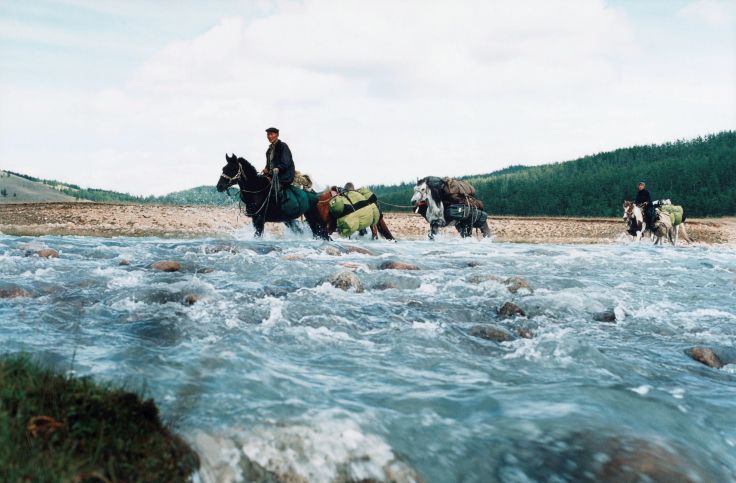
x: 421, y: 195
x: 628, y: 210
x: 231, y: 172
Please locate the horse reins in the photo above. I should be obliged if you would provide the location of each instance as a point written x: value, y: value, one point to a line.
x: 241, y: 175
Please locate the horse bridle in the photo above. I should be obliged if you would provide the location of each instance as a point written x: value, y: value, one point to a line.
x: 238, y: 175
x: 233, y: 178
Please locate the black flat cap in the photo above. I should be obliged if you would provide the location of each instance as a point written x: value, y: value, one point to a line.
x: 272, y: 129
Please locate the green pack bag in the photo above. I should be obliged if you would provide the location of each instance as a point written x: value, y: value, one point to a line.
x: 357, y: 220
x: 675, y: 213
x: 339, y: 203
x: 293, y: 202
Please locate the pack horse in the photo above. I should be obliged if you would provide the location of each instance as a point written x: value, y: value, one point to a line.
x: 669, y: 221
x: 450, y: 202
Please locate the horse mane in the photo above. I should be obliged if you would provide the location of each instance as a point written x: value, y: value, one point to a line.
x: 435, y: 187
x: 248, y: 169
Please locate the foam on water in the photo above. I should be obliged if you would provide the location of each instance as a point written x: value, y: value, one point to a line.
x: 273, y: 371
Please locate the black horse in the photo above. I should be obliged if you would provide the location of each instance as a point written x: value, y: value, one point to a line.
x: 263, y: 202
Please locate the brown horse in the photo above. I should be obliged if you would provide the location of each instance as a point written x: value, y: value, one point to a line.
x: 330, y: 223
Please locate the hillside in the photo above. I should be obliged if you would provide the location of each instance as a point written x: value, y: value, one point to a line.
x: 699, y: 174
x: 17, y: 189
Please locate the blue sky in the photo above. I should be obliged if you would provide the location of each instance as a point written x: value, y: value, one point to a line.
x: 147, y: 97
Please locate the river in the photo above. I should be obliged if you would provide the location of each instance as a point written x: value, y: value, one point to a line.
x: 272, y: 370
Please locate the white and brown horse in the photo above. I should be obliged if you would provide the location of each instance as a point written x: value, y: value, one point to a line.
x: 661, y: 229
x: 634, y: 219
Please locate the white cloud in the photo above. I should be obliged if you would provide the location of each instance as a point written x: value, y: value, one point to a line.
x: 369, y: 91
x: 713, y: 12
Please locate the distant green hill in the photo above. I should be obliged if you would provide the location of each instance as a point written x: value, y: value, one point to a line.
x: 20, y: 189
x: 699, y: 174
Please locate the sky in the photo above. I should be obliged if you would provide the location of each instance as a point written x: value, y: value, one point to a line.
x: 147, y: 97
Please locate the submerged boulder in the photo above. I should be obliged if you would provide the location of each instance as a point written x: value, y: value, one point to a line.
x: 360, y: 250
x: 612, y: 458
x: 47, y: 253
x: 191, y: 299
x: 14, y: 293
x: 605, y: 316
x: 345, y: 280
x: 705, y: 355
x: 480, y: 278
x: 490, y: 332
x: 167, y: 266
x: 393, y: 265
x: 514, y: 284
x: 510, y: 309
x: 124, y: 262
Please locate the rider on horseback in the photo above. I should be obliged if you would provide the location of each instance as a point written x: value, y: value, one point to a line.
x: 279, y: 163
x: 644, y: 198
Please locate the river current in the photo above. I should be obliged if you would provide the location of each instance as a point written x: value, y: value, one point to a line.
x: 272, y: 371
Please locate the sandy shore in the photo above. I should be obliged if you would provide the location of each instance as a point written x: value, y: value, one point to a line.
x: 102, y: 219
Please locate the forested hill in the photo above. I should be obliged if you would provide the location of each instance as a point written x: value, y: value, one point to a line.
x: 699, y: 174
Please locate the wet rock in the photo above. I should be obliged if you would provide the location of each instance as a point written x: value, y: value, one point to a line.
x: 490, y: 332
x: 167, y: 266
x: 14, y: 293
x: 294, y: 256
x: 514, y: 284
x: 392, y: 265
x: 345, y: 280
x: 360, y: 250
x: 47, y: 253
x: 524, y: 332
x: 474, y: 264
x: 191, y: 299
x: 510, y: 309
x: 706, y: 356
x: 587, y: 456
x: 123, y: 262
x: 331, y: 251
x: 391, y: 280
x: 220, y: 248
x: 605, y: 316
x: 204, y: 270
x: 480, y: 278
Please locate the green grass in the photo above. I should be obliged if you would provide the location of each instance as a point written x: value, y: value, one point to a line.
x: 107, y: 433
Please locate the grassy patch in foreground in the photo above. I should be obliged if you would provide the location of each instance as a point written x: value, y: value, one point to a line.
x: 59, y: 428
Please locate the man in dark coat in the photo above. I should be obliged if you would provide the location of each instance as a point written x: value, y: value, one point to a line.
x: 643, y: 197
x: 279, y: 163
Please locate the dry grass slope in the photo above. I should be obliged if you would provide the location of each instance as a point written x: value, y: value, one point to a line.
x: 21, y: 190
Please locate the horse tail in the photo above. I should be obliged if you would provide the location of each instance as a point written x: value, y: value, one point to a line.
x: 383, y: 229
x: 683, y: 231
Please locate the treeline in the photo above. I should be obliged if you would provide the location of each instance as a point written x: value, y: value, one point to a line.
x: 699, y: 174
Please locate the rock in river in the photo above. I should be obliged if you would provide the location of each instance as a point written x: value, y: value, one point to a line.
x: 345, y: 280
x: 392, y: 265
x: 490, y: 332
x: 706, y: 356
x: 167, y: 266
x: 510, y: 309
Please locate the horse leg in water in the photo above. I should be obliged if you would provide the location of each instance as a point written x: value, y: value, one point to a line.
x: 294, y: 227
x: 258, y: 223
x: 485, y: 230
x: 317, y: 226
x: 383, y: 229
x: 433, y: 229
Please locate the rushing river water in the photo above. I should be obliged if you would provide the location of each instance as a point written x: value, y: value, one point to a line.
x: 273, y: 371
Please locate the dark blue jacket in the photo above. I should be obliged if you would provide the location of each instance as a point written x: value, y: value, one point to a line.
x: 282, y: 160
x: 643, y: 196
